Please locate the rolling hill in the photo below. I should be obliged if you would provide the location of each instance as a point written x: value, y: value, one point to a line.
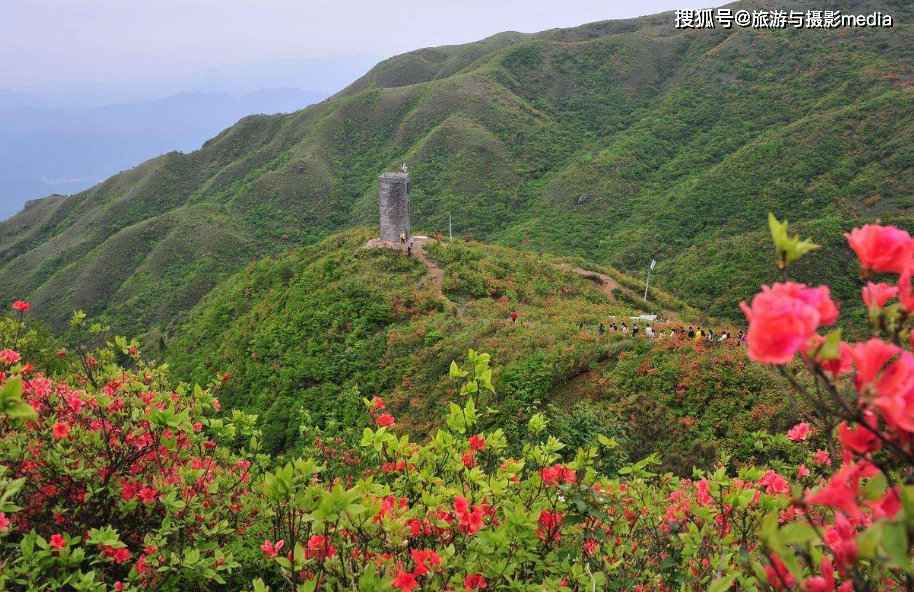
x: 301, y: 338
x: 615, y: 141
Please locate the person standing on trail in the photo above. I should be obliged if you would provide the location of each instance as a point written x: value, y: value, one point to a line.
x: 514, y: 316
x: 649, y: 332
x: 691, y: 332
x: 635, y: 330
x: 409, y: 248
x: 402, y: 241
x: 624, y: 329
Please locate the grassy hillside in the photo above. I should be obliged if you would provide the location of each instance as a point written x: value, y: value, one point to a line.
x: 613, y: 141
x: 305, y: 335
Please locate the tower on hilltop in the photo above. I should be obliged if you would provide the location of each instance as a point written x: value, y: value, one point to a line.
x: 393, y: 200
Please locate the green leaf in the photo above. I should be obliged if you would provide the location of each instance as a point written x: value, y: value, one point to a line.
x: 875, y: 487
x: 455, y: 371
x: 895, y: 544
x: 722, y: 584
x: 537, y: 424
x: 797, y: 533
x: 868, y: 540
x: 831, y: 347
x: 106, y: 536
x: 607, y: 442
x: 787, y: 248
x: 907, y: 501
x: 11, y: 403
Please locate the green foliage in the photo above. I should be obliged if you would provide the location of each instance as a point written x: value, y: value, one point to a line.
x: 615, y: 141
x: 300, y: 339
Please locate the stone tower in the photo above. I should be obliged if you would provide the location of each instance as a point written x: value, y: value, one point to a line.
x: 394, y: 206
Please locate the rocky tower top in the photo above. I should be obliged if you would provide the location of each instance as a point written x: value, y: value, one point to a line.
x: 393, y: 198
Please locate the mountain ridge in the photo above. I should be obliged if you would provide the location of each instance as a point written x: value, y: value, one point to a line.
x: 615, y: 141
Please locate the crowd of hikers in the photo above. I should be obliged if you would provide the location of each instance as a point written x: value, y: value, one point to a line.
x: 695, y: 333
x: 663, y: 330
x: 648, y: 330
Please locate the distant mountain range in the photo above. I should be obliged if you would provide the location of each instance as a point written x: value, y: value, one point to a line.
x: 617, y: 141
x: 46, y: 149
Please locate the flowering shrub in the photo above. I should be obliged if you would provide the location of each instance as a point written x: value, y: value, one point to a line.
x: 850, y: 531
x: 459, y: 513
x: 115, y: 481
x: 112, y: 480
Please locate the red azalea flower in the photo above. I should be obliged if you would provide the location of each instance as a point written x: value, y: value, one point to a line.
x: 469, y: 519
x: 881, y: 248
x: 840, y: 492
x: 888, y: 505
x: 778, y: 575
x: 21, y: 306
x: 783, y: 318
x: 876, y: 295
x: 822, y: 458
x: 405, y: 581
x: 799, y: 432
x: 842, y: 540
x: 271, y: 550
x: 426, y: 560
x: 319, y: 548
x: 469, y: 459
x: 385, y: 420
x: 57, y: 542
x: 858, y: 439
x: 823, y: 583
x: 60, y: 430
x: 869, y: 359
x: 774, y: 483
x: 121, y: 555
x: 550, y: 525
x: 556, y: 474
x: 9, y: 357
x: 477, y: 442
x: 148, y: 495
x: 474, y: 582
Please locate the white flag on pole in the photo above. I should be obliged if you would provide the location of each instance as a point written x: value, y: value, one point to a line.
x: 653, y: 264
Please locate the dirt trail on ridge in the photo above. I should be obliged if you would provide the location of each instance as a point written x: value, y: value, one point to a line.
x: 436, y: 273
x: 606, y: 284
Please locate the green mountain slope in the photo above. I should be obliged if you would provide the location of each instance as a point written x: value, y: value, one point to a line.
x: 318, y: 328
x: 614, y: 141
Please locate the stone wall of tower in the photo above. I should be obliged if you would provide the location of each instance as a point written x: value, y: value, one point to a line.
x: 393, y: 194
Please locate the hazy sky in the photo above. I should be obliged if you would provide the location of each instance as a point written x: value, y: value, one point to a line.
x: 123, y: 49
